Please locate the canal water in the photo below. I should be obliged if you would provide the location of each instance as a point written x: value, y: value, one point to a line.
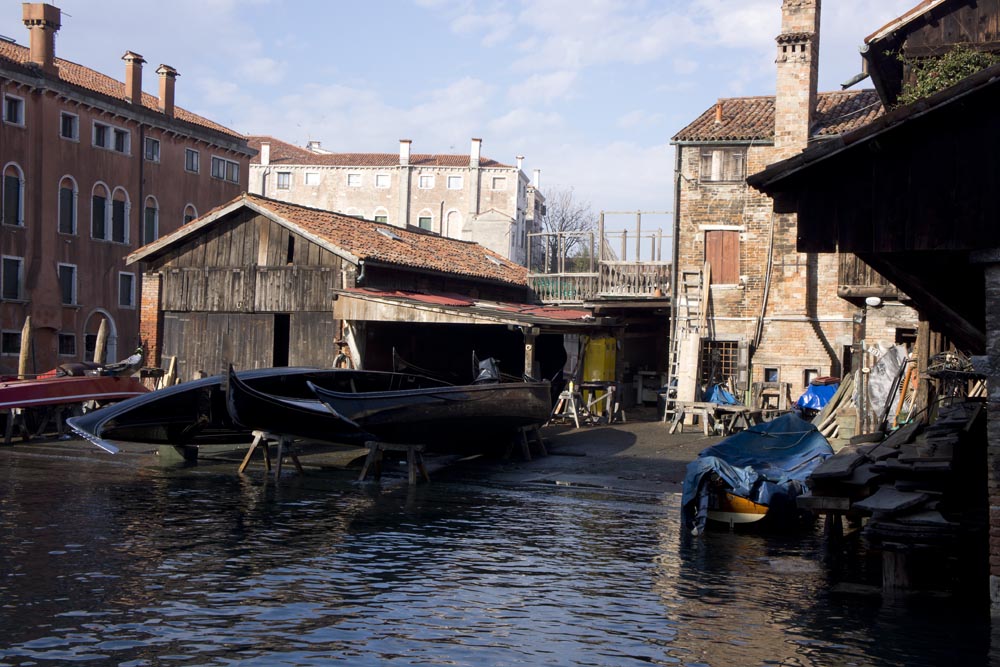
x: 107, y: 563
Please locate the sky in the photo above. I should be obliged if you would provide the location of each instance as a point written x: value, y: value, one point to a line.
x: 588, y: 91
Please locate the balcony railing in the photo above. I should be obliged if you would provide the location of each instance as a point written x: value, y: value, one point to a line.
x: 574, y: 267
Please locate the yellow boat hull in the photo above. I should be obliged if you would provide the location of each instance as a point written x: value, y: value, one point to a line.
x: 731, y: 509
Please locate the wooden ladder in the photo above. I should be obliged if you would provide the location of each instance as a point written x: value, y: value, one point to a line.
x: 690, y: 312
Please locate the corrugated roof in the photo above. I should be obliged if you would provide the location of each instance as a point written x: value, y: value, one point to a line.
x: 283, y: 152
x: 752, y: 118
x: 361, y: 240
x: 94, y: 81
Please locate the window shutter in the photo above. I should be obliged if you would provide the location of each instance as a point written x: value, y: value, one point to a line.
x: 722, y: 251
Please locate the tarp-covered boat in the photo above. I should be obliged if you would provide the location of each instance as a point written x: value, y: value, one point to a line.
x: 753, y: 474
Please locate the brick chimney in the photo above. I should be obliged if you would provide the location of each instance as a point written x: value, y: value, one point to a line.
x: 133, y: 77
x: 43, y: 21
x: 476, y: 152
x: 265, y: 153
x: 404, y: 152
x: 168, y: 78
x: 798, y: 69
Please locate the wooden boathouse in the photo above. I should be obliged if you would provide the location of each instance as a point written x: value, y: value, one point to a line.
x: 255, y: 282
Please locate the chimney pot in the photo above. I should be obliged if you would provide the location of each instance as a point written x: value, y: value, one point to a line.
x: 265, y: 153
x: 168, y: 78
x: 718, y: 111
x: 520, y: 162
x: 536, y: 181
x: 133, y: 77
x: 43, y: 21
x: 404, y: 152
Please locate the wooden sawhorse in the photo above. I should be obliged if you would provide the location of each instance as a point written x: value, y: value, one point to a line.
x: 376, y: 449
x: 284, y: 447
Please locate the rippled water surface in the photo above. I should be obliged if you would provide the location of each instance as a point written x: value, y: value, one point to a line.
x: 111, y: 564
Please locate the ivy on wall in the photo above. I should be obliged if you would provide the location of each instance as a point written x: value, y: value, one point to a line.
x: 929, y: 75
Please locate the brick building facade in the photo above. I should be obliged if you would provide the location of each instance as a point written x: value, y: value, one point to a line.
x: 93, y: 168
x: 466, y: 197
x: 772, y: 314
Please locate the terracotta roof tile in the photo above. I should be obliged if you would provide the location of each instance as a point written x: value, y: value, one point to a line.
x: 286, y: 153
x: 400, y: 247
x: 94, y: 81
x: 752, y: 118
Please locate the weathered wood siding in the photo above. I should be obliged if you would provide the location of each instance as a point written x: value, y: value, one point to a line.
x: 977, y: 24
x: 208, y: 341
x: 311, y: 339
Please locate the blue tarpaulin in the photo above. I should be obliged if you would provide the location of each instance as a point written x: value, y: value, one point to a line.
x: 719, y: 394
x: 766, y: 463
x: 816, y: 396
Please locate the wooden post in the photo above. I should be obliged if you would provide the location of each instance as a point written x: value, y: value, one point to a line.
x: 22, y: 362
x: 101, y: 347
x: 529, y: 350
x: 923, y: 360
x: 600, y: 237
x: 638, y: 236
x: 857, y: 366
x: 171, y: 377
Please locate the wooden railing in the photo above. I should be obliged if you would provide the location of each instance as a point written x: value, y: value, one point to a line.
x: 644, y: 280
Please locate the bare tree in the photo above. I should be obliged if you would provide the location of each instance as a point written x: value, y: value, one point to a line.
x: 567, y: 224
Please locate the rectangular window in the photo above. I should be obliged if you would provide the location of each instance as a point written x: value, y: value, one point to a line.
x: 13, y: 110
x: 284, y: 180
x: 150, y: 224
x: 381, y: 180
x: 119, y: 226
x: 67, y: 345
x: 67, y: 211
x: 723, y: 165
x: 499, y: 183
x: 354, y: 180
x: 454, y: 182
x: 381, y: 218
x: 12, y: 199
x: 152, y: 149
x: 191, y: 161
x: 126, y: 290
x: 69, y: 126
x: 722, y: 252
x: 225, y: 169
x: 67, y: 284
x: 122, y: 141
x: 425, y: 182
x: 102, y: 134
x: 312, y: 178
x: 98, y: 217
x: 10, y: 343
x: 11, y: 276
x: 424, y: 222
x: 771, y: 375
x: 719, y: 362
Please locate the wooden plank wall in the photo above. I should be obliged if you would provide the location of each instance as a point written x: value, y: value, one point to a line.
x: 208, y: 341
x: 312, y: 339
x: 978, y: 24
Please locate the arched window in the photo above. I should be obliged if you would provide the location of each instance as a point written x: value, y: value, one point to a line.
x: 67, y: 205
x: 13, y: 195
x: 150, y: 220
x: 119, y: 215
x: 99, y: 211
x: 425, y: 219
x: 453, y: 225
x: 190, y: 213
x: 381, y: 214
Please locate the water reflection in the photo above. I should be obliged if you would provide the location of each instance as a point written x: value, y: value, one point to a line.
x: 118, y: 565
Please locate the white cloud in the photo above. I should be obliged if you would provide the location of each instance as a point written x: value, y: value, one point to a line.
x: 542, y: 88
x: 639, y: 118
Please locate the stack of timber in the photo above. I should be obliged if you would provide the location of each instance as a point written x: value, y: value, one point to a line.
x: 917, y: 489
x: 837, y: 421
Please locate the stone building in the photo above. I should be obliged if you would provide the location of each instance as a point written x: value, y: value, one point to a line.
x: 92, y: 168
x: 471, y: 198
x: 771, y: 313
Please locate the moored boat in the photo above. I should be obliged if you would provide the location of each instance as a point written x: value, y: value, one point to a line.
x: 62, y: 390
x: 753, y: 475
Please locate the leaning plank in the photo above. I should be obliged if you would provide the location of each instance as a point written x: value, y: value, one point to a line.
x: 891, y: 445
x: 889, y: 500
x: 843, y: 393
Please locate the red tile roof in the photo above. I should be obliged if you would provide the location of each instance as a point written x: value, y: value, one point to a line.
x: 286, y: 153
x: 362, y: 239
x: 752, y: 118
x: 94, y: 81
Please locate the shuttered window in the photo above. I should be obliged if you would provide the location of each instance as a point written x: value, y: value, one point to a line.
x: 722, y: 252
x: 724, y: 165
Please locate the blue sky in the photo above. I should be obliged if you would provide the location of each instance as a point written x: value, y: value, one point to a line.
x: 589, y: 91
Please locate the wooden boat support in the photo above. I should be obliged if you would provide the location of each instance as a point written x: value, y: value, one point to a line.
x: 376, y: 450
x: 285, y: 448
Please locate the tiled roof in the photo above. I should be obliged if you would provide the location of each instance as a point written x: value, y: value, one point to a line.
x: 94, y: 81
x: 362, y: 239
x: 752, y: 118
x: 289, y: 154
